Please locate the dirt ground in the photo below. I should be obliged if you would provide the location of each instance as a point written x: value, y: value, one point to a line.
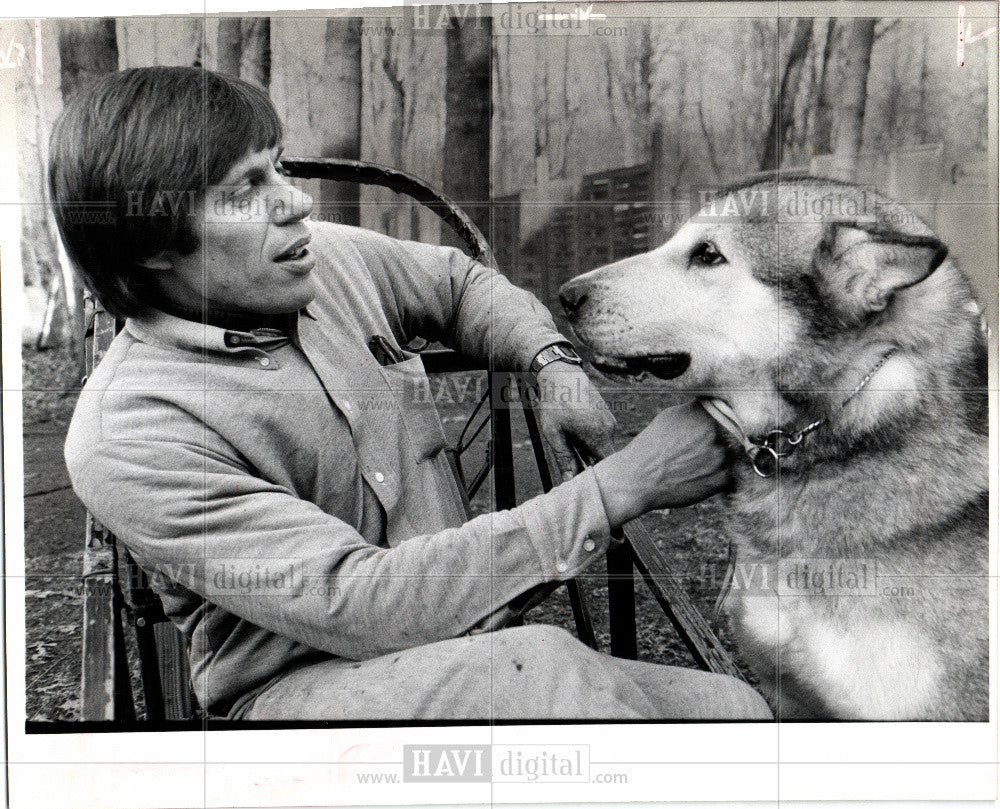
x: 53, y: 527
x: 692, y: 540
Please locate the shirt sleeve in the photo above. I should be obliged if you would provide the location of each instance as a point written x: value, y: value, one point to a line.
x: 439, y: 293
x: 197, y: 516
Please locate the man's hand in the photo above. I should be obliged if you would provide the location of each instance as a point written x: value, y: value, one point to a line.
x: 570, y: 406
x: 676, y: 460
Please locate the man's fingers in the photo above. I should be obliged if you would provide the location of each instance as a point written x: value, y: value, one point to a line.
x: 565, y: 459
x: 601, y: 446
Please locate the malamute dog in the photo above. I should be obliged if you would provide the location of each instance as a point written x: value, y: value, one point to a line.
x: 844, y: 353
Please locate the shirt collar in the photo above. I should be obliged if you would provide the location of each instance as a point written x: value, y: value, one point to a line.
x: 167, y: 330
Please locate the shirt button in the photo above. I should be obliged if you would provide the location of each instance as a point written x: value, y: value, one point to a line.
x: 589, y: 545
x: 562, y: 567
x: 264, y: 362
x: 379, y: 477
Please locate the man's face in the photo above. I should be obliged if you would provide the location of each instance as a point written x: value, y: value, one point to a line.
x: 253, y: 256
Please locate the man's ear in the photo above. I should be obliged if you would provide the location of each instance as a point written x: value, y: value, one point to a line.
x: 157, y: 261
x: 861, y: 266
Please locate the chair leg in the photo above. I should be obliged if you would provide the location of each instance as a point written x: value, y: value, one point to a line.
x: 124, y: 703
x: 503, y: 455
x: 581, y: 614
x: 621, y: 603
x: 149, y: 670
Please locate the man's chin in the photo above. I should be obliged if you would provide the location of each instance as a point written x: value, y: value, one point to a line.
x: 285, y: 305
x: 305, y: 293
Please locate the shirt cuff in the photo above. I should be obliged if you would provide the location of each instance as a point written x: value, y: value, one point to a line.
x: 568, y: 526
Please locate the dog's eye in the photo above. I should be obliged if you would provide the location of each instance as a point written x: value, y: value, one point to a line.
x: 707, y: 254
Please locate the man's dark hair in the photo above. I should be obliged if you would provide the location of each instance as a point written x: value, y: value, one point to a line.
x: 132, y: 154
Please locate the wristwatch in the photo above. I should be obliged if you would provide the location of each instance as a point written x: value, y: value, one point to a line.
x: 560, y: 352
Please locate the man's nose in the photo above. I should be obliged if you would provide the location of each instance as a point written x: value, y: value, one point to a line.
x: 294, y: 204
x: 573, y: 295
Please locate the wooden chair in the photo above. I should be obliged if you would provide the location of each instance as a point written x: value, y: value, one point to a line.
x: 116, y: 592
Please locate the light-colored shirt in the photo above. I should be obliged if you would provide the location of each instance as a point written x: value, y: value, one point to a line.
x: 290, y: 499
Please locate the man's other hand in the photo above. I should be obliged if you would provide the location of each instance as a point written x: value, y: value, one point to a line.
x: 677, y: 460
x: 571, y: 407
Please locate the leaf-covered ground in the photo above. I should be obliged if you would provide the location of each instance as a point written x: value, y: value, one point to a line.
x: 692, y: 540
x: 53, y: 538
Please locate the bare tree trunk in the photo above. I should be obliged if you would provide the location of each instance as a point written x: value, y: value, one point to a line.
x: 543, y: 134
x: 230, y: 46
x: 466, y: 172
x: 35, y: 108
x: 891, y: 114
x: 644, y: 90
x: 859, y: 34
x: 342, y: 137
x: 570, y: 112
x: 160, y: 41
x: 610, y: 85
x: 255, y: 53
x: 823, y: 123
x: 713, y: 157
x: 504, y: 105
x: 659, y: 182
x: 784, y: 104
x: 922, y: 104
x: 88, y: 49
x: 392, y: 108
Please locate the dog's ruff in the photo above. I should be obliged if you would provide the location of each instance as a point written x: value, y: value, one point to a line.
x: 782, y: 315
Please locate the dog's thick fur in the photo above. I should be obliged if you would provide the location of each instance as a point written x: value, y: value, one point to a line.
x: 804, y: 287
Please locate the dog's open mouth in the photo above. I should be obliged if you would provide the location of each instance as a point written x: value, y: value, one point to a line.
x: 636, y: 369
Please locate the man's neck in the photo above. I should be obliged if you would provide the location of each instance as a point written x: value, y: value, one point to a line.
x: 233, y: 321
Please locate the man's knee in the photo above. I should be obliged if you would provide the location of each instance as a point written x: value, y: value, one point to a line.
x: 732, y: 698
x: 538, y: 642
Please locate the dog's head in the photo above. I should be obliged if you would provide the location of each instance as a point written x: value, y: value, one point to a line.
x: 768, y: 287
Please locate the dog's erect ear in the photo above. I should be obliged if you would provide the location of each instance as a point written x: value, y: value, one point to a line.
x: 862, y: 266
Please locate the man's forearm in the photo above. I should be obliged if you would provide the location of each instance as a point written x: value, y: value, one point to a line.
x: 349, y: 598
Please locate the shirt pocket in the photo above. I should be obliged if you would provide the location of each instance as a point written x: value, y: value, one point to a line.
x: 421, y: 420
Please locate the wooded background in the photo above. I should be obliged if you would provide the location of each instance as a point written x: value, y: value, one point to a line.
x: 547, y: 134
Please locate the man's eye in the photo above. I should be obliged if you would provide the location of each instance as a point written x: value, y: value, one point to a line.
x: 707, y: 254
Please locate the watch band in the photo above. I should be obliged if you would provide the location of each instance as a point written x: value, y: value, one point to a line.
x: 559, y: 352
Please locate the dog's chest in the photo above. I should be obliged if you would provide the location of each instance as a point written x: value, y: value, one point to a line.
x: 863, y: 665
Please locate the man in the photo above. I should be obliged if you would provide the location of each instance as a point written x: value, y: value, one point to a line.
x: 285, y: 490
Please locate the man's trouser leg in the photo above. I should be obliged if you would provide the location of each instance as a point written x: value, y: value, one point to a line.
x: 529, y: 672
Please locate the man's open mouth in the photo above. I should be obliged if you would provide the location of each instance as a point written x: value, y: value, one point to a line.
x: 296, y: 250
x: 637, y: 369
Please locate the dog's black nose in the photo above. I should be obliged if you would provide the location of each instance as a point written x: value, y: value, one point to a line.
x: 572, y: 297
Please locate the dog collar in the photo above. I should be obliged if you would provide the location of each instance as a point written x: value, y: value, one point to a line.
x: 764, y: 455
